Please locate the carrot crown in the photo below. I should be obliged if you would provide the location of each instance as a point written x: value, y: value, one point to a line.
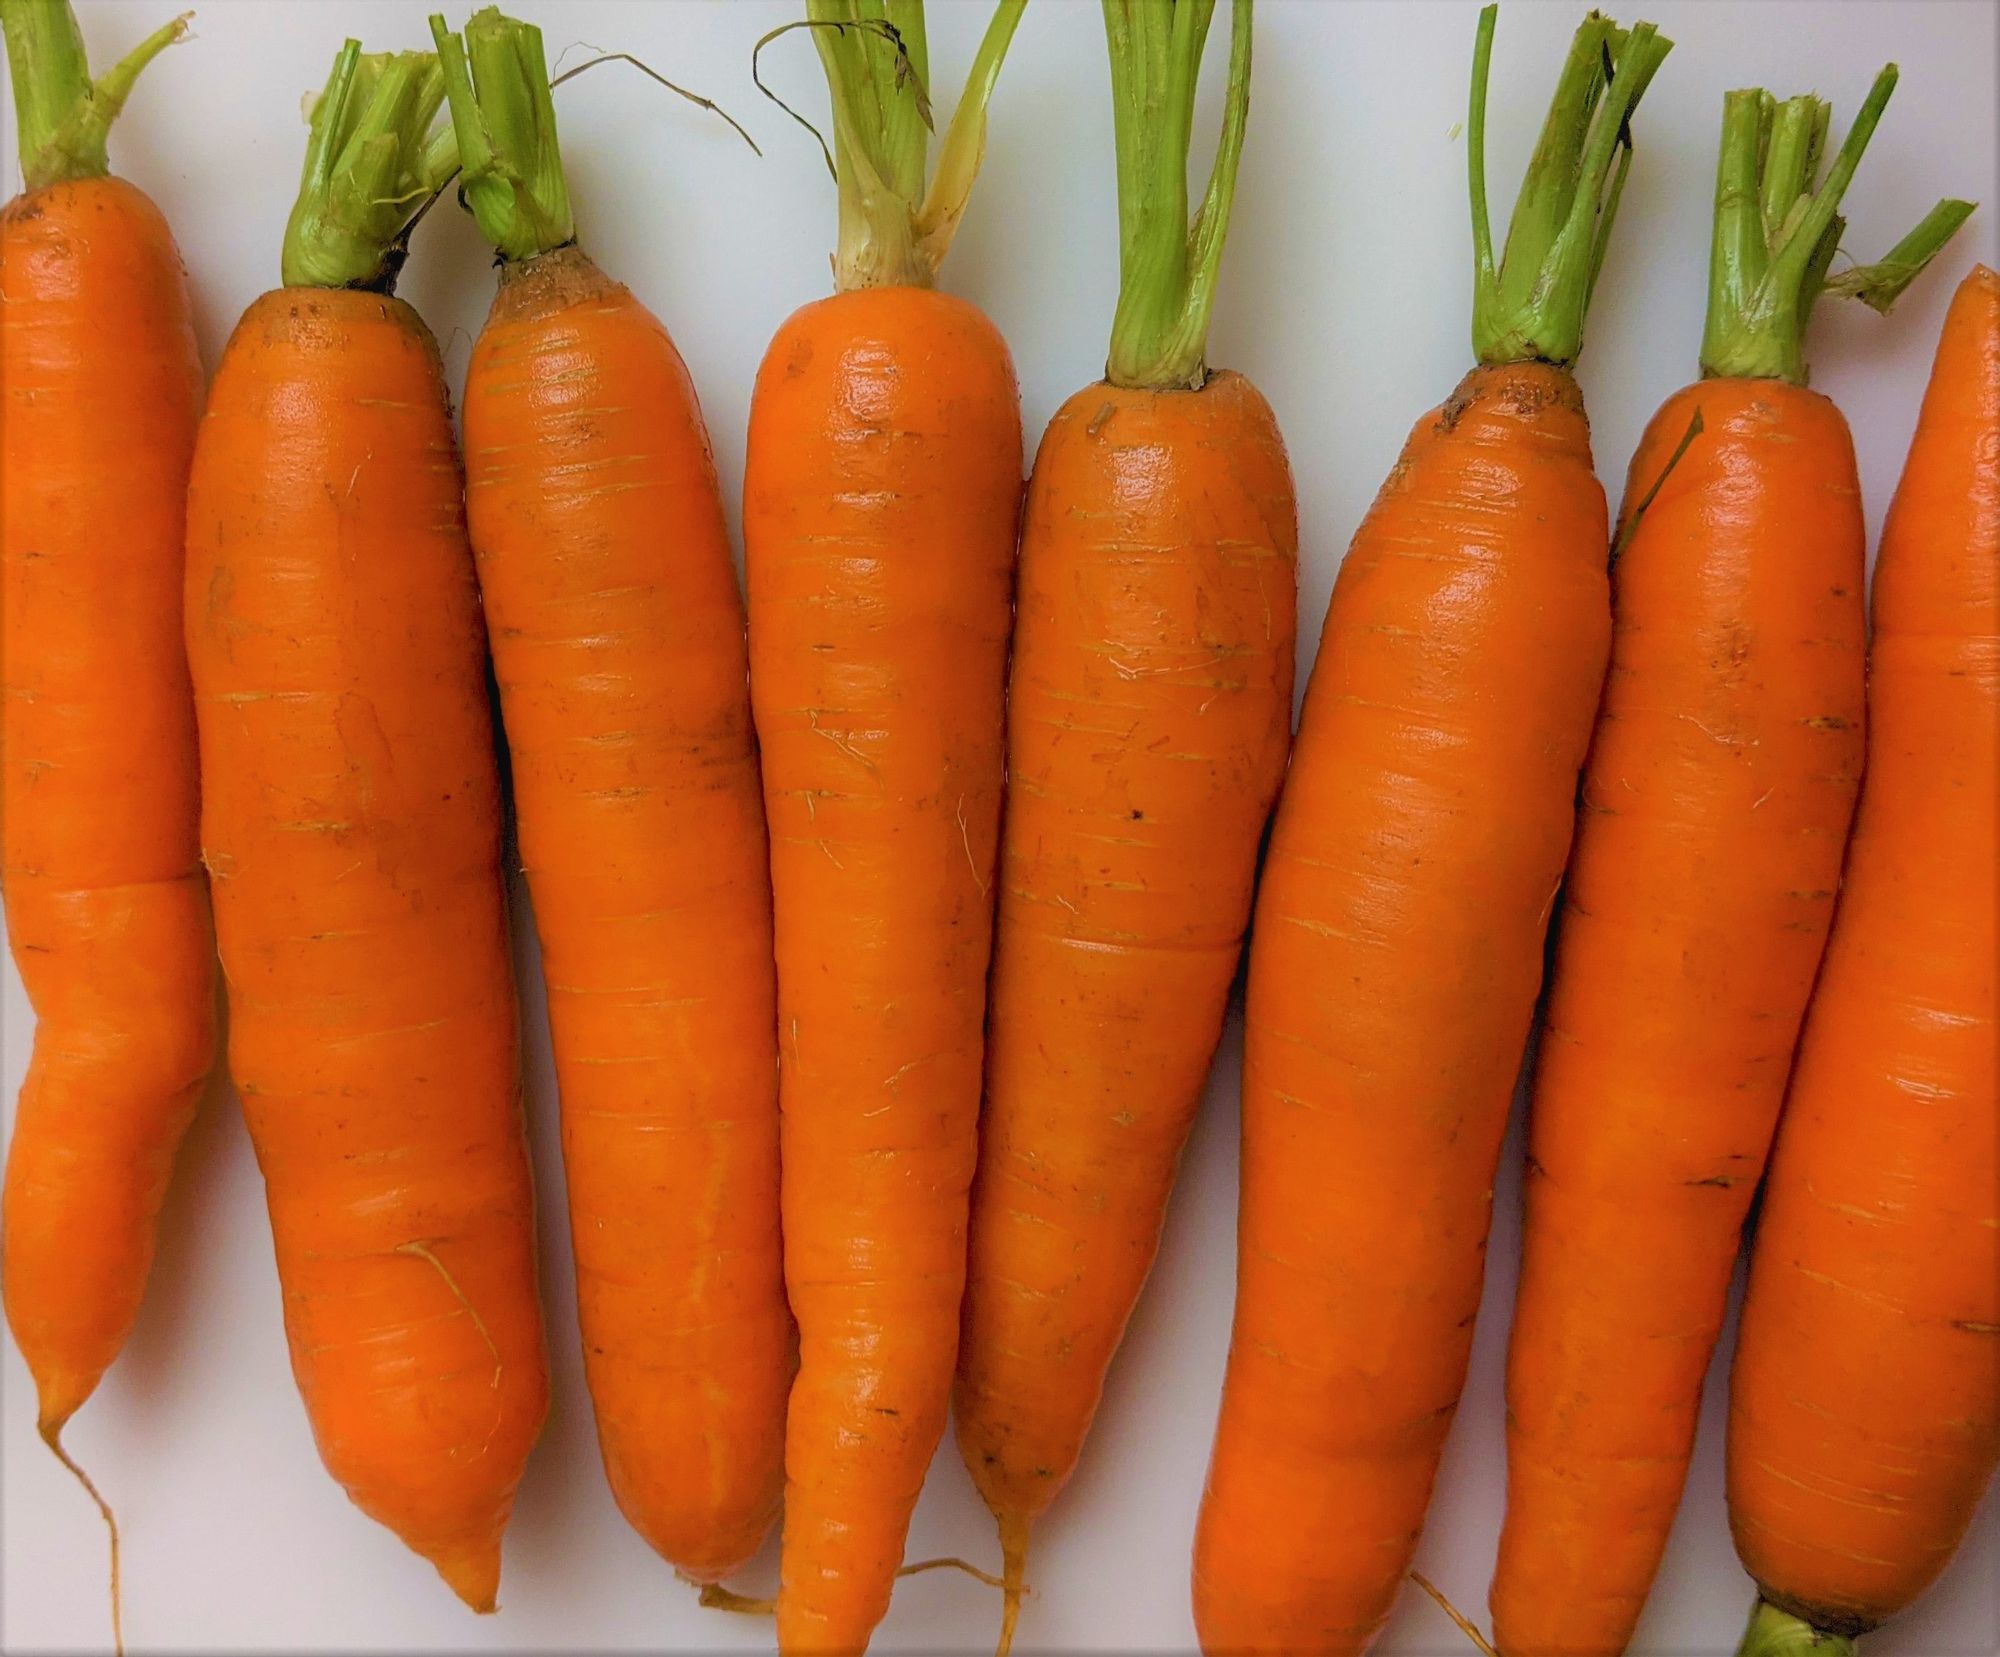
x: 1775, y: 1633
x: 894, y: 231
x: 1775, y: 234
x: 1532, y: 306
x: 497, y: 80
x: 365, y: 183
x: 62, y: 115
x: 1167, y: 267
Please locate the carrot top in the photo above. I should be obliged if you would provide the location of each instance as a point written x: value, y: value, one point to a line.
x: 1775, y: 234
x: 62, y: 115
x: 497, y: 79
x: 1532, y: 306
x: 366, y: 182
x: 1167, y: 267
x: 893, y: 230
x: 1775, y: 1633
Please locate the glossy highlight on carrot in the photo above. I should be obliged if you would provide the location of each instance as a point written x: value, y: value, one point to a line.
x: 1398, y: 941
x: 351, y: 824
x: 1864, y: 1411
x: 617, y: 637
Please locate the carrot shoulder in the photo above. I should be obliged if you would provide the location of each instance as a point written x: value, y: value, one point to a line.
x: 616, y: 629
x: 351, y: 822
x: 1397, y: 947
x: 880, y: 495
x: 1864, y: 1418
x: 1716, y: 803
x: 1149, y: 711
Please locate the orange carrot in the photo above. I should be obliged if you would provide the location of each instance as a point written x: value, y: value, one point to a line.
x: 617, y: 637
x: 106, y: 914
x: 351, y: 824
x: 1716, y: 804
x: 1864, y: 1410
x: 879, y: 502
x: 1399, y: 929
x: 1149, y: 710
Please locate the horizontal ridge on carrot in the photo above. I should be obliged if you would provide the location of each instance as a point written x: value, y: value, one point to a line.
x: 881, y: 492
x: 1716, y: 804
x: 616, y: 628
x: 1149, y: 711
x: 1398, y: 939
x: 1864, y: 1400
x: 351, y: 824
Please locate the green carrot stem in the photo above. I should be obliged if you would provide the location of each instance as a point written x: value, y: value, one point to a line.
x: 364, y: 186
x: 1777, y: 228
x: 894, y: 231
x: 63, y: 117
x: 496, y: 79
x: 1775, y: 1633
x: 1168, y: 268
x: 1531, y: 304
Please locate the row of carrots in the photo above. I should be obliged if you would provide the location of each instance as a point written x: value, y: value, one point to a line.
x: 873, y: 1091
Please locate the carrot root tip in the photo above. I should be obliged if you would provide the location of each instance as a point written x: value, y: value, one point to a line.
x: 1013, y: 1578
x: 51, y: 1428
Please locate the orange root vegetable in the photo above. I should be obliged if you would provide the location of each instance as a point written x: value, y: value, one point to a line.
x: 1149, y: 711
x: 617, y: 636
x: 107, y: 918
x: 880, y: 497
x: 1716, y: 804
x: 351, y: 823
x: 1398, y: 942
x: 1864, y: 1411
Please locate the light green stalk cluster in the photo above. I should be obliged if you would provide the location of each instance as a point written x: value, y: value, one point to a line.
x: 62, y: 115
x: 1167, y: 266
x: 1776, y: 234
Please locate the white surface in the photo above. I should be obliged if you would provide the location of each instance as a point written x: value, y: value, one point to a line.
x: 1346, y: 297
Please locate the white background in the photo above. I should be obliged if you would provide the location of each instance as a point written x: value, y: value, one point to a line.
x: 1345, y: 295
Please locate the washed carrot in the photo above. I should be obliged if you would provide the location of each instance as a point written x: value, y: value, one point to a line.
x: 1716, y: 805
x: 106, y: 913
x: 351, y: 824
x: 617, y: 638
x: 1398, y: 941
x: 1149, y: 710
x: 880, y: 496
x: 1864, y: 1409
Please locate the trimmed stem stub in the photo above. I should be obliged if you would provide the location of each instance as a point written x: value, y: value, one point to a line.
x: 364, y: 185
x: 496, y: 79
x: 1531, y: 305
x: 63, y: 116
x: 1777, y: 227
x: 1167, y: 266
x: 1776, y: 1633
x: 895, y: 231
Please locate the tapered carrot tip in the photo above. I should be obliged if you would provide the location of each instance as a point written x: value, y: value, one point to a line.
x: 59, y: 1394
x: 51, y: 1431
x: 473, y: 1573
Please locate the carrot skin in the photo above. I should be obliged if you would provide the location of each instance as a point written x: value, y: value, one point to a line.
x: 351, y: 822
x: 1394, y: 964
x: 617, y: 637
x: 1716, y: 802
x: 1864, y: 1420
x: 881, y: 493
x: 1149, y: 715
x: 107, y: 914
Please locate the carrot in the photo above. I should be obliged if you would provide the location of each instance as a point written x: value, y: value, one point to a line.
x: 1864, y: 1409
x: 617, y: 636
x: 1397, y: 948
x: 881, y: 489
x: 351, y: 825
x: 1716, y: 804
x: 107, y: 918
x: 1149, y: 710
